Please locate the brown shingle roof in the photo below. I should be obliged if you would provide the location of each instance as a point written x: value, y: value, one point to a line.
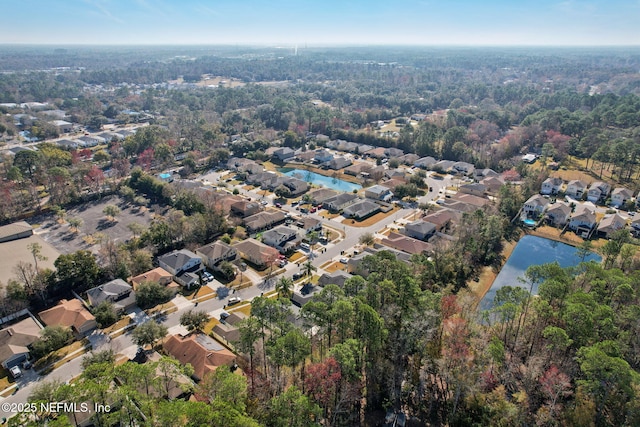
x: 203, y: 353
x: 69, y: 313
x: 15, y: 338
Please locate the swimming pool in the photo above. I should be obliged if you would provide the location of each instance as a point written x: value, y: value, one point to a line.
x: 529, y: 222
x: 325, y: 181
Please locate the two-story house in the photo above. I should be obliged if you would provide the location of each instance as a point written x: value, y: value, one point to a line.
x: 280, y: 237
x: 609, y: 224
x: 598, y: 191
x: 257, y: 253
x: 583, y: 219
x: 558, y: 214
x: 576, y: 188
x: 322, y: 156
x: 117, y: 292
x: 184, y: 265
x: 620, y: 196
x: 551, y: 186
x: 535, y: 205
x: 215, y: 253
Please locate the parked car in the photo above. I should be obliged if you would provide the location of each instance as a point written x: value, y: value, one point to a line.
x: 282, y: 263
x: 234, y: 300
x: 263, y: 202
x: 344, y: 260
x: 297, y: 276
x: 313, y: 210
x: 223, y: 316
x: 15, y: 372
x: 207, y: 277
x: 278, y: 205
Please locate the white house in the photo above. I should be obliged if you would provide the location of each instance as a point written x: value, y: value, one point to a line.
x: 620, y: 196
x: 583, y: 219
x: 598, y: 191
x: 610, y: 224
x: 575, y: 188
x: 558, y: 213
x: 551, y: 186
x: 278, y: 237
x: 535, y: 205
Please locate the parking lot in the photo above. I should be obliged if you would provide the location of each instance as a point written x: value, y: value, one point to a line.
x: 66, y: 240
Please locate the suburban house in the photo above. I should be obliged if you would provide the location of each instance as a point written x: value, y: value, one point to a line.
x: 443, y: 165
x: 610, y: 224
x: 62, y: 126
x: 338, y: 163
x: 338, y: 278
x: 576, y: 188
x: 583, y: 219
x: 378, y: 192
x: 284, y: 153
x: 214, y: 253
x: 409, y: 159
x: 157, y: 275
x: 282, y: 238
x: 480, y: 174
x: 425, y: 162
x: 393, y: 152
x: 15, y: 341
x: 322, y: 156
x: 463, y: 168
x: 361, y: 210
x: 319, y: 196
x: 309, y: 224
x: 339, y: 202
x: 378, y: 153
x: 71, y: 314
x: 235, y: 163
x: 201, y: 351
x: 264, y: 220
x: 395, y: 174
x: 443, y: 219
x: 620, y: 196
x: 535, y: 206
x: 256, y: 253
x: 635, y: 227
x: 184, y: 265
x: 598, y: 191
x: 551, y: 186
x: 245, y: 208
x: 473, y: 188
x: 530, y: 158
x: 558, y: 214
x: 407, y: 244
x: 117, y: 292
x: 420, y: 230
x: 228, y: 330
x: 357, y: 168
x: 492, y: 184
x: 301, y: 297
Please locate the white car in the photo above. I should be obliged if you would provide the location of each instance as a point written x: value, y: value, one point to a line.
x: 344, y: 260
x: 234, y: 300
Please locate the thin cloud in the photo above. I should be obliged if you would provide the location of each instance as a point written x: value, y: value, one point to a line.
x: 203, y: 9
x: 102, y: 10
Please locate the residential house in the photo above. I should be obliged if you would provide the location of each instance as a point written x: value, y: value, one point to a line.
x: 393, y: 152
x: 551, y: 186
x: 361, y: 210
x: 245, y: 208
x: 322, y: 156
x: 296, y: 186
x: 407, y: 244
x: 480, y: 174
x: 284, y: 153
x: 395, y: 174
x: 409, y: 159
x: 339, y: 202
x: 117, y: 292
x: 202, y: 352
x: 530, y: 158
x: 301, y: 297
x: 320, y: 195
x: 535, y: 205
x: 91, y: 140
x: 338, y: 278
x: 309, y: 225
x: 15, y: 341
x: 338, y: 163
x: 282, y: 238
x: 558, y: 214
x: 264, y: 220
x: 421, y: 230
x: 583, y: 219
x: 598, y: 191
x: 214, y: 253
x: 492, y: 184
x: 306, y: 156
x: 620, y: 196
x: 463, y: 168
x: 474, y: 188
x: 157, y: 275
x: 635, y: 227
x: 425, y: 162
x: 226, y: 332
x: 235, y: 163
x: 256, y: 253
x: 378, y: 192
x: 71, y: 314
x: 357, y: 168
x: 67, y: 144
x: 378, y: 153
x: 184, y: 265
x: 576, y: 188
x: 461, y: 202
x: 443, y: 219
x: 609, y: 224
x: 62, y: 126
x: 391, y: 184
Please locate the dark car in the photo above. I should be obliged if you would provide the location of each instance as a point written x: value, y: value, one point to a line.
x: 297, y: 276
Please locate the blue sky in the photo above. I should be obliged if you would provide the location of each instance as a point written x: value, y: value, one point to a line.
x: 322, y: 22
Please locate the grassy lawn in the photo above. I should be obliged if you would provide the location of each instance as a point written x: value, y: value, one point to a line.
x: 168, y: 307
x: 245, y: 308
x: 59, y: 357
x: 210, y: 325
x: 200, y: 293
x: 122, y: 323
x: 296, y: 256
x: 335, y: 266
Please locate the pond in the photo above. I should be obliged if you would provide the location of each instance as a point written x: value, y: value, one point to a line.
x: 325, y: 181
x: 533, y: 250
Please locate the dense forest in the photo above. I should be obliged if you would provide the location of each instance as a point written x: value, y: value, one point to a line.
x: 406, y: 336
